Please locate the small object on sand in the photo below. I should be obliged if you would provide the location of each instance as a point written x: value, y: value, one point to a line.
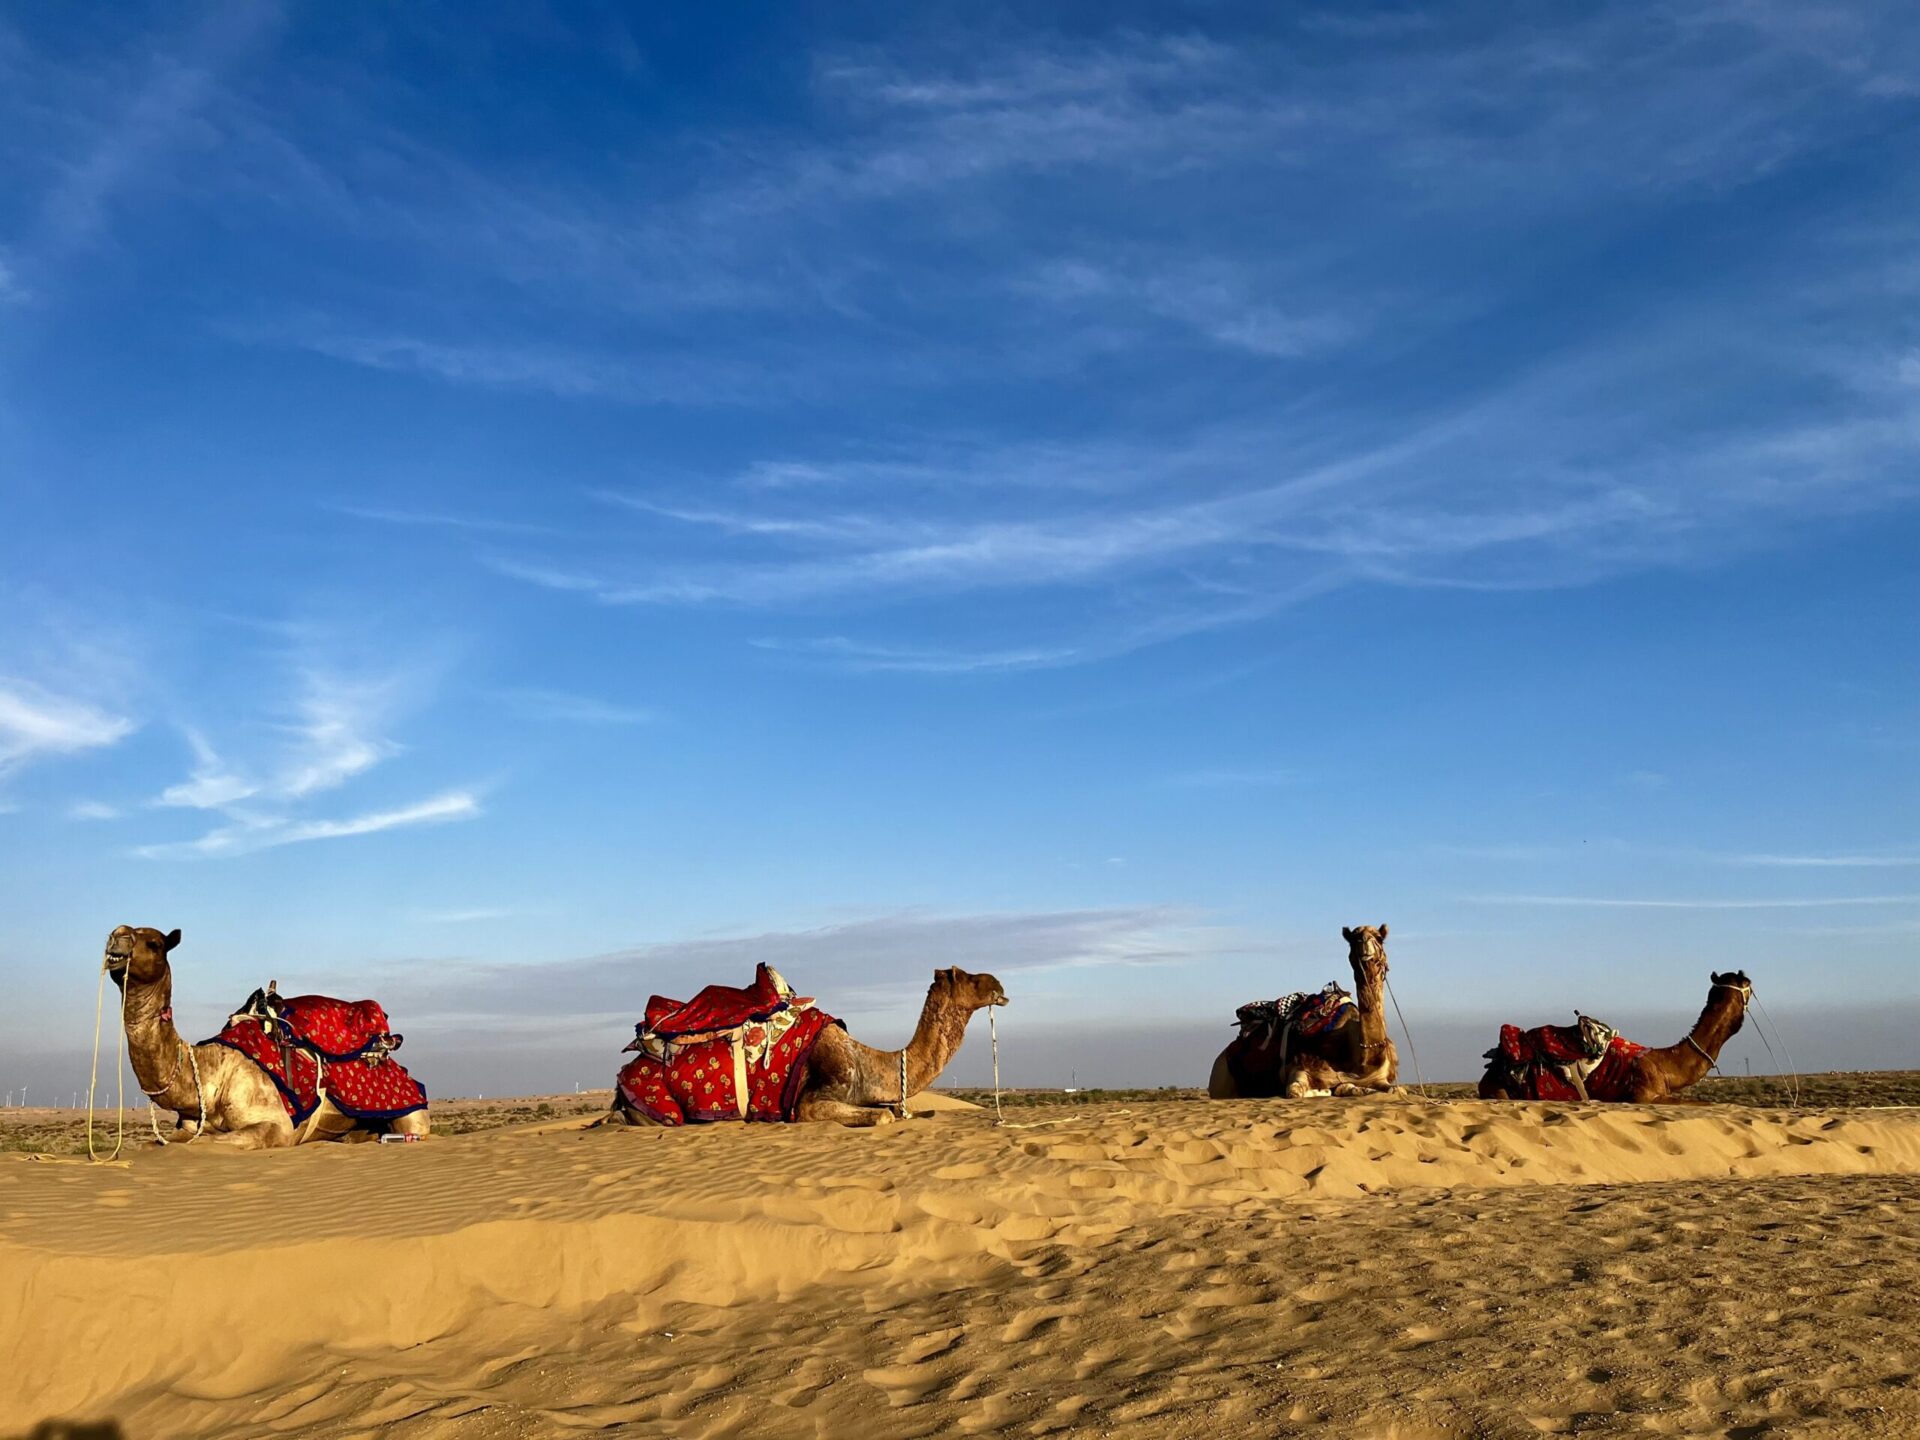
x: 398, y: 1139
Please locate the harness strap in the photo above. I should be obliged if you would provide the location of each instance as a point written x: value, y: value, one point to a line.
x: 1712, y: 1064
x: 740, y: 1072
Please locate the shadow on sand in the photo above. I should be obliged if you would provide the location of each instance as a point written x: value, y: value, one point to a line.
x: 74, y: 1430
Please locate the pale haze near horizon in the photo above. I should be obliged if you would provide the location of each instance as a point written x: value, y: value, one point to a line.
x: 508, y: 511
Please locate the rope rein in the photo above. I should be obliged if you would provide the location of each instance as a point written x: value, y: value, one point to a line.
x: 1712, y: 1064
x: 993, y: 1034
x: 120, y: 1071
x: 1793, y: 1090
x: 1419, y: 1080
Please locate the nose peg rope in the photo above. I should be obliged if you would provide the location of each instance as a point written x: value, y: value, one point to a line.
x: 120, y: 1075
x: 1793, y: 1084
x: 1419, y: 1080
x: 993, y: 1034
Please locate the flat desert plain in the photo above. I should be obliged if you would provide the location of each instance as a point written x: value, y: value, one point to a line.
x: 1403, y: 1267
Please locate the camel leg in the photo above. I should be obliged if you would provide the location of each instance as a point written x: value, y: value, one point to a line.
x: 1220, y: 1084
x: 262, y: 1135
x: 818, y: 1107
x: 414, y: 1124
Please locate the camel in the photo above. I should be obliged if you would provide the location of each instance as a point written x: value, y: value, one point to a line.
x: 856, y: 1085
x: 1356, y: 1057
x: 212, y: 1088
x: 1632, y: 1074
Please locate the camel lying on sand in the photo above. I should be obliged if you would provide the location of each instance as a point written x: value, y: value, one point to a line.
x: 835, y: 1076
x: 1271, y: 1056
x: 1616, y: 1069
x: 212, y: 1088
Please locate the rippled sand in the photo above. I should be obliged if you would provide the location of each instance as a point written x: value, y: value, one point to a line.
x: 1390, y: 1268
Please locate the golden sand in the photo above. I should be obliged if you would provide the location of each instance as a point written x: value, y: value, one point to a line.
x: 1379, y: 1268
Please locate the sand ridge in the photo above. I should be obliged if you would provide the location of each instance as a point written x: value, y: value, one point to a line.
x: 957, y: 1274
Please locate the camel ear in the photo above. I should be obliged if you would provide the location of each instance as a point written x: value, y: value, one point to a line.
x: 173, y: 939
x: 1346, y: 933
x: 1383, y: 932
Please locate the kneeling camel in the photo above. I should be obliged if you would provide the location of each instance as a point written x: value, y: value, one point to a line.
x: 212, y: 1088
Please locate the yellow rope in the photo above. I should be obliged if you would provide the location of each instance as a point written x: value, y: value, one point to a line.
x: 120, y: 1075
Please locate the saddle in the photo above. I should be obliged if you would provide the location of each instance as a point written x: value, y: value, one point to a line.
x: 315, y: 1047
x: 730, y: 1053
x: 1303, y: 1014
x: 1554, y: 1062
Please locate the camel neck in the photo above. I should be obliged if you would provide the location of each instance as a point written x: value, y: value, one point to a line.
x: 1696, y: 1055
x: 936, y: 1039
x: 1369, y: 994
x: 154, y: 1046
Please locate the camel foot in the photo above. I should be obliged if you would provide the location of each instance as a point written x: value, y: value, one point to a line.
x: 262, y: 1136
x: 841, y: 1113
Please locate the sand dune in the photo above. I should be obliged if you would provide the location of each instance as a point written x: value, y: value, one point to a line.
x: 1394, y: 1268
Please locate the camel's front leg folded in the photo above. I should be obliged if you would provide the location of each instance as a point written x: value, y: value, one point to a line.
x: 263, y: 1135
x: 816, y: 1107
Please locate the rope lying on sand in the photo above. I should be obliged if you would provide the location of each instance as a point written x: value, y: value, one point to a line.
x: 1000, y: 1121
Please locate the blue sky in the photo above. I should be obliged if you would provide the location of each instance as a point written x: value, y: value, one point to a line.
x: 510, y: 509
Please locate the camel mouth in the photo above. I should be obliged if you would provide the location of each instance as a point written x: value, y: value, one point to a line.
x: 999, y: 997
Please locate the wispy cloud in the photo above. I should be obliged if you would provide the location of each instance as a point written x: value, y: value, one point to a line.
x: 417, y: 519
x: 1626, y: 903
x: 93, y: 810
x: 569, y: 708
x: 1827, y: 862
x: 211, y: 785
x: 472, y: 916
x: 883, y: 959
x: 853, y: 655
x: 328, y: 735
x: 35, y: 722
x: 265, y: 833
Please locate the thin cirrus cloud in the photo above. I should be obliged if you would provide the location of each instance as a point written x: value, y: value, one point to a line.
x: 993, y: 153
x: 328, y: 734
x: 877, y: 960
x: 35, y: 722
x: 265, y: 833
x: 1615, y: 902
x: 568, y: 707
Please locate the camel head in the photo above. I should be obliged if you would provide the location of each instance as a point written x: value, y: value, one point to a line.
x: 1367, y: 949
x: 965, y: 991
x: 141, y: 953
x: 1735, y: 990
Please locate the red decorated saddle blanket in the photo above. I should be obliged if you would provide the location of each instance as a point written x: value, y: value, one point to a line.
x: 313, y: 1046
x: 1555, y: 1062
x: 747, y: 1067
x: 720, y: 1007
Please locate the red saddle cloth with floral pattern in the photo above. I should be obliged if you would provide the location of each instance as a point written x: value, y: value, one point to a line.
x: 1543, y: 1060
x: 727, y: 1054
x: 313, y: 1045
